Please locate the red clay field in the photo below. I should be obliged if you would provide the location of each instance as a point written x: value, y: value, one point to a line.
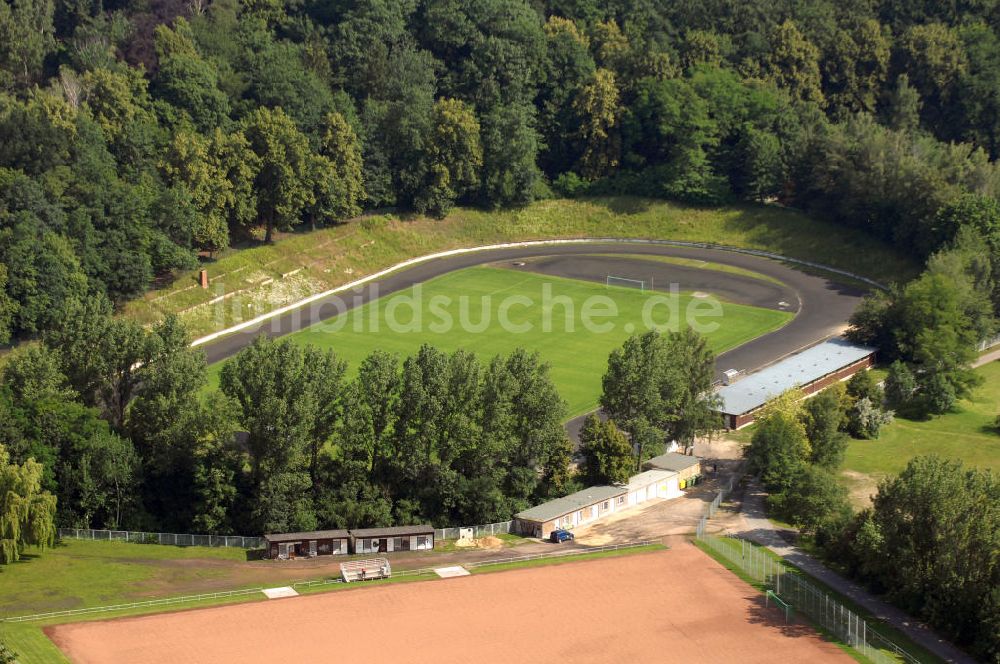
x: 668, y: 606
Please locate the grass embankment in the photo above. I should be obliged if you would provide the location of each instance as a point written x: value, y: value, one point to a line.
x: 301, y: 264
x: 886, y: 631
x: 465, y: 309
x: 967, y: 434
x: 32, y: 646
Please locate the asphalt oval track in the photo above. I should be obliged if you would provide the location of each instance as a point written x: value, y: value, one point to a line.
x: 822, y: 305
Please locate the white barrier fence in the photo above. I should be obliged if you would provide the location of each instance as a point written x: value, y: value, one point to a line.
x: 132, y: 606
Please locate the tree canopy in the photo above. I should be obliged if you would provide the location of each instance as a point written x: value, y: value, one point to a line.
x: 136, y: 141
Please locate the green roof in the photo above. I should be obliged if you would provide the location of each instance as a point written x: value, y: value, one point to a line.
x: 571, y: 503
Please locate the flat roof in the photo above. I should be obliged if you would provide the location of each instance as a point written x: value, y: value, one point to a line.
x: 310, y: 535
x: 673, y: 461
x: 802, y: 368
x: 643, y: 480
x: 393, y: 531
x: 571, y: 503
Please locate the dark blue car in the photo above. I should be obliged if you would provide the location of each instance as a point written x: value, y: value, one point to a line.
x: 558, y: 536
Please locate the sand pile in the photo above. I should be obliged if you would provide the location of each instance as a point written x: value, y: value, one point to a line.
x: 489, y: 542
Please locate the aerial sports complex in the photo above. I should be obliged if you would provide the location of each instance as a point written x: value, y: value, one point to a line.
x: 772, y: 327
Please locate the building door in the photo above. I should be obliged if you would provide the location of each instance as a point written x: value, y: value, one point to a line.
x: 312, y: 548
x: 383, y: 545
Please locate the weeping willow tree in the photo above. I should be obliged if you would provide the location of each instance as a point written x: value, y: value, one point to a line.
x: 27, y: 514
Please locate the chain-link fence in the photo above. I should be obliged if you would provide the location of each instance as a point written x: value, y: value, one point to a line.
x: 986, y: 344
x: 240, y: 541
x: 806, y: 598
x: 477, y: 531
x: 713, y: 506
x: 794, y: 590
x: 169, y: 539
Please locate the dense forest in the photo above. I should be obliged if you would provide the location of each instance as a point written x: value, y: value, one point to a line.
x: 139, y: 138
x: 140, y: 135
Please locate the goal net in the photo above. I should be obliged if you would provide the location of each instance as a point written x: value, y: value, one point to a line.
x: 624, y: 282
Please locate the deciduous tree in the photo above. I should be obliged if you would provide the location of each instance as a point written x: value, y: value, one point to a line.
x: 282, y: 179
x: 27, y: 514
x: 607, y: 454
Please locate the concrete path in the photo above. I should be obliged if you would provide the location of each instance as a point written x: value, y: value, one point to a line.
x: 759, y: 529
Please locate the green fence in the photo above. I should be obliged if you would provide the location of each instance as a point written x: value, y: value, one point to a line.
x: 805, y: 598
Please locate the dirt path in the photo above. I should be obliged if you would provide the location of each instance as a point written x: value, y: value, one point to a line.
x: 677, y: 605
x: 987, y: 357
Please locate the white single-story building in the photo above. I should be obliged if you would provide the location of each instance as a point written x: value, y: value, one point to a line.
x: 653, y: 484
x: 569, y: 511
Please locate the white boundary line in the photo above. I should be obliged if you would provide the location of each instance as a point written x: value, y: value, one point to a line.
x: 513, y: 245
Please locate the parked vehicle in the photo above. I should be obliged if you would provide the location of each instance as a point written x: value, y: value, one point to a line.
x: 560, y: 536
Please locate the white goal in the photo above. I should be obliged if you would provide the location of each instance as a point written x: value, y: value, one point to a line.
x: 624, y: 282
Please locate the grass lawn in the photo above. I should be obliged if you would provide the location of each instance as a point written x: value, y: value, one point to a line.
x: 80, y: 573
x: 30, y: 644
x: 300, y: 264
x: 578, y: 355
x: 966, y: 434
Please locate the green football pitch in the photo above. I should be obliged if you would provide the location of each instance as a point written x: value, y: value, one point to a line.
x: 573, y: 325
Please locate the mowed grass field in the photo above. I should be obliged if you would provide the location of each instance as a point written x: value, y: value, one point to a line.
x: 300, y: 264
x: 477, y: 300
x: 967, y: 434
x: 79, y: 573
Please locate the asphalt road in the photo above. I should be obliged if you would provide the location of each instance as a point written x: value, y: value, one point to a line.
x: 822, y: 306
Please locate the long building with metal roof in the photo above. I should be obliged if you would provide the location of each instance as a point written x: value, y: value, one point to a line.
x: 810, y: 370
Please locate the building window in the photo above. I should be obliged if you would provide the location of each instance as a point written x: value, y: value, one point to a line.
x: 607, y: 504
x: 621, y: 500
x: 422, y: 542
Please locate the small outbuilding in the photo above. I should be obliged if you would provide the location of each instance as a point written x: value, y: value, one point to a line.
x: 687, y: 467
x: 573, y: 510
x: 396, y: 538
x: 285, y: 546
